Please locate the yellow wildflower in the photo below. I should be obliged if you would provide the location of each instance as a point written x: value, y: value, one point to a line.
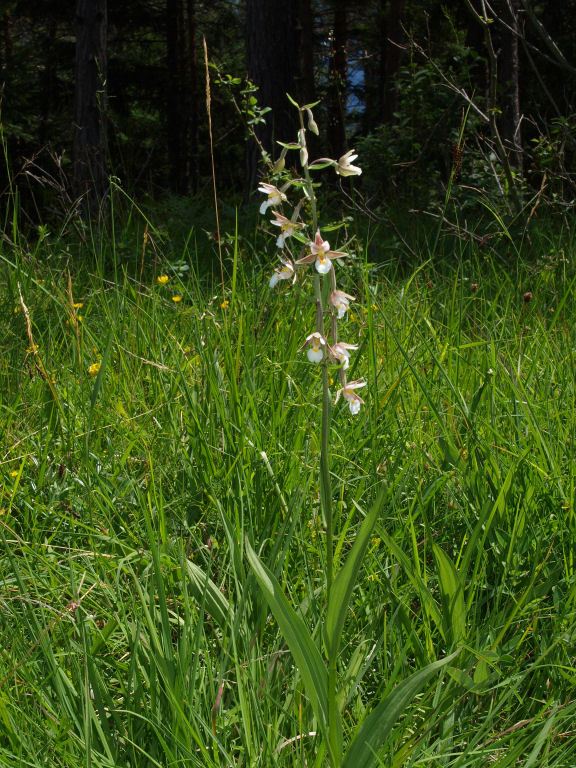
x: 225, y: 304
x: 14, y: 473
x: 162, y: 279
x: 78, y: 304
x: 176, y: 298
x: 94, y: 369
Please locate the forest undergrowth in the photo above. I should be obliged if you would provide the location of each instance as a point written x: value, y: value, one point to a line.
x: 156, y: 422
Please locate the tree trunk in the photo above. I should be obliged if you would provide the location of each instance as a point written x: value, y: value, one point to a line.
x: 390, y: 58
x: 90, y: 166
x: 307, y: 85
x: 509, y: 76
x: 176, y: 113
x: 272, y: 57
x: 337, y: 80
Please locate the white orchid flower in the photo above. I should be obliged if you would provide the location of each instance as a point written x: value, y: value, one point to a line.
x: 341, y: 302
x: 315, y: 343
x: 321, y: 254
x: 274, y: 196
x: 287, y: 228
x: 285, y: 272
x: 344, y: 166
x: 340, y: 353
x: 348, y: 393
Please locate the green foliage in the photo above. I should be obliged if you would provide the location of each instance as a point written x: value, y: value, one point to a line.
x: 134, y: 633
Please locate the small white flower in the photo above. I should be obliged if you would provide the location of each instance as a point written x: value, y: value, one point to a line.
x: 315, y: 343
x: 275, y: 196
x: 348, y: 393
x: 340, y: 353
x: 344, y: 166
x: 341, y: 302
x: 287, y: 228
x: 321, y: 254
x: 285, y: 272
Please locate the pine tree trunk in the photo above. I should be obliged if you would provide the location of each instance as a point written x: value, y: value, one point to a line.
x: 272, y: 56
x: 90, y: 164
x: 337, y: 80
x: 509, y: 77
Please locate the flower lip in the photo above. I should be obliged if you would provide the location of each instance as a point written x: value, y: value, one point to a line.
x: 314, y: 343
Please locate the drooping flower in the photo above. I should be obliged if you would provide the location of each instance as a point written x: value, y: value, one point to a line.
x: 348, y: 393
x: 287, y: 228
x: 341, y: 302
x: 320, y: 253
x: 314, y: 342
x: 340, y: 353
x: 344, y: 165
x: 285, y: 272
x: 275, y: 196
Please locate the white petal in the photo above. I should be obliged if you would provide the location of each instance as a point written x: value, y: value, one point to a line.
x: 264, y: 207
x: 280, y: 241
x: 273, y: 280
x: 323, y: 266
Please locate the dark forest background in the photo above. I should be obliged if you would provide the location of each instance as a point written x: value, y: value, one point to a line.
x: 425, y: 91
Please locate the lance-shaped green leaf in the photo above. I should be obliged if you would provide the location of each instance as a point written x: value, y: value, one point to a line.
x: 376, y: 727
x: 298, y: 638
x: 345, y: 581
x: 207, y: 593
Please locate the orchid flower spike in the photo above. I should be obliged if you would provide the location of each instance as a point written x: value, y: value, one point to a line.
x: 344, y: 166
x: 287, y: 228
x: 348, y: 393
x: 340, y: 353
x: 314, y: 343
x: 320, y: 253
x: 275, y: 196
x: 285, y: 272
x: 341, y: 302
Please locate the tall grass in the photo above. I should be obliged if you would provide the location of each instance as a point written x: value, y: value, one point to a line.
x: 133, y: 633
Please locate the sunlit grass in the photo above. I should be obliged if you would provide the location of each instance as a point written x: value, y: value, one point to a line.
x: 144, y: 442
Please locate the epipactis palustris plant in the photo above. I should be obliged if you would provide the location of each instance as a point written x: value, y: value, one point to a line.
x: 303, y: 250
x: 318, y: 666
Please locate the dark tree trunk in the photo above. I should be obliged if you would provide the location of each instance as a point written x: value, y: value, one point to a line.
x: 90, y: 166
x: 176, y: 115
x: 390, y: 58
x: 307, y: 86
x: 192, y: 96
x: 272, y: 56
x: 48, y: 95
x: 337, y: 80
x: 509, y: 77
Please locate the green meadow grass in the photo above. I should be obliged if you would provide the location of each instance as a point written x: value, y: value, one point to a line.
x: 133, y: 631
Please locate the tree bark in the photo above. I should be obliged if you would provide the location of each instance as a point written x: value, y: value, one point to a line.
x: 90, y: 164
x: 272, y: 58
x: 391, y: 58
x: 337, y: 80
x: 509, y: 77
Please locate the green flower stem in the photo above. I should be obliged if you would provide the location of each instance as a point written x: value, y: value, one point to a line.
x: 333, y: 736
